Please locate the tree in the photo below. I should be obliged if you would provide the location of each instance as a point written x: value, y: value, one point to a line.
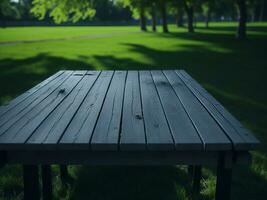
x: 107, y: 10
x: 139, y: 10
x: 262, y: 8
x: 24, y: 7
x: 207, y: 7
x: 8, y: 10
x: 177, y: 9
x: 154, y: 16
x: 189, y: 9
x: 163, y: 12
x: 63, y: 10
x: 180, y: 13
x: 242, y: 19
x: 142, y: 16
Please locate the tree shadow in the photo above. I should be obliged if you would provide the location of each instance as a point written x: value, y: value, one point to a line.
x: 248, y: 184
x: 133, y: 182
x: 250, y: 27
x: 17, y: 75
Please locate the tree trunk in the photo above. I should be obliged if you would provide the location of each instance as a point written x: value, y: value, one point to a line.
x: 154, y: 19
x: 180, y: 17
x: 242, y: 10
x: 142, y: 19
x: 253, y: 15
x: 190, y: 18
x: 262, y: 10
x: 208, y: 18
x: 164, y: 17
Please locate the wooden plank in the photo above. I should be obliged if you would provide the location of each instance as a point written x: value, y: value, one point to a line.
x: 28, y: 93
x: 157, y: 130
x: 210, y: 132
x: 251, y: 140
x: 22, y: 108
x: 184, y: 133
x: 52, y: 128
x: 82, y: 125
x: 25, y: 126
x: 36, y: 97
x: 106, y: 133
x: 238, y: 142
x: 133, y: 133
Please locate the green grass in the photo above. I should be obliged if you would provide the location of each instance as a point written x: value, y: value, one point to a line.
x: 233, y: 71
x: 40, y: 33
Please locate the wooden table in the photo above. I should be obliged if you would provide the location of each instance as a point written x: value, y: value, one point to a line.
x: 121, y: 118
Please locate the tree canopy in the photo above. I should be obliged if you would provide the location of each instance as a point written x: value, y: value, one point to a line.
x: 63, y: 10
x: 8, y: 10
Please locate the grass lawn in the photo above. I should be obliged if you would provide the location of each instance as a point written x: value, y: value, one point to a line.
x: 233, y: 71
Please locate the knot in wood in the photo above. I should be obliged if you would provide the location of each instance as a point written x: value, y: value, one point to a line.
x: 138, y: 117
x: 61, y: 91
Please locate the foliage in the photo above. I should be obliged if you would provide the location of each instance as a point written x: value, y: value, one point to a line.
x: 175, y: 5
x: 109, y: 11
x: 136, y: 6
x: 24, y: 7
x: 63, y: 10
x: 8, y: 10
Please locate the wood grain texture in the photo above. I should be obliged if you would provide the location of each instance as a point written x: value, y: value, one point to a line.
x: 238, y: 142
x: 251, y: 141
x: 183, y: 131
x: 157, y: 130
x: 82, y: 125
x: 107, y: 130
x: 210, y: 132
x: 52, y: 128
x: 25, y: 126
x: 133, y: 132
x: 20, y: 98
x: 21, y: 109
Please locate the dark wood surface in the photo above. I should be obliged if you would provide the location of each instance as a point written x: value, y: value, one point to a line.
x: 120, y: 111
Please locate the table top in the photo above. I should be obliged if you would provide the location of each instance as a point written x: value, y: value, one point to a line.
x: 161, y: 110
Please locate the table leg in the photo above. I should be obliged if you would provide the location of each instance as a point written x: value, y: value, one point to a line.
x: 224, y: 178
x: 196, y: 181
x: 47, y: 182
x: 31, y: 182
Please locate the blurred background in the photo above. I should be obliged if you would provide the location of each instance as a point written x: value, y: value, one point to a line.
x: 221, y: 43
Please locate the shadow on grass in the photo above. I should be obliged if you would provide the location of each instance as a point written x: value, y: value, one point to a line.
x: 130, y: 183
x: 248, y: 184
x: 236, y: 77
x: 18, y: 75
x: 251, y: 27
